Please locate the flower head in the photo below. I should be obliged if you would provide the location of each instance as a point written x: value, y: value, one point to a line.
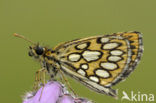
x: 52, y: 92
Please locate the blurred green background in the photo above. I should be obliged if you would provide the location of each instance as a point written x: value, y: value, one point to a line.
x: 53, y: 21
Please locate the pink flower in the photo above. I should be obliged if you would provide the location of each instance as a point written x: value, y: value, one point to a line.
x: 53, y: 92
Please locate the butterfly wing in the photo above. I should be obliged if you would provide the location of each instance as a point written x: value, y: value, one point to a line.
x: 98, y: 62
x: 136, y: 46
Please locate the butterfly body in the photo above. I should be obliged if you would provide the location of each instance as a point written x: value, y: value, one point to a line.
x: 98, y: 62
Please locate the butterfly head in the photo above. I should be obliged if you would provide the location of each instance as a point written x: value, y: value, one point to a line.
x: 36, y: 51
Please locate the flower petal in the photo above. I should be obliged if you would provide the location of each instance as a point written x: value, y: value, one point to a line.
x: 53, y: 92
x: 49, y: 94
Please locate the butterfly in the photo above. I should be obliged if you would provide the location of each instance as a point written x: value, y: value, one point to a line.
x: 98, y: 62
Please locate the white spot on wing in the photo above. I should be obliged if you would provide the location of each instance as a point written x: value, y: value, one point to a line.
x: 82, y: 72
x: 104, y: 40
x: 74, y: 57
x: 84, y: 66
x: 110, y: 45
x: 109, y: 66
x: 94, y: 78
x: 102, y: 73
x: 91, y: 55
x: 116, y: 52
x: 82, y: 46
x: 114, y: 58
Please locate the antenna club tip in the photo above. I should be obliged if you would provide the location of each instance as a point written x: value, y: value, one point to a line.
x: 15, y: 34
x: 21, y: 36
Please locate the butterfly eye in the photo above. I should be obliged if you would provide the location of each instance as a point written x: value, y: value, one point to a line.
x: 39, y: 50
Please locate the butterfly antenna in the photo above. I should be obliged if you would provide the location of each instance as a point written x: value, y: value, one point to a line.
x: 21, y: 36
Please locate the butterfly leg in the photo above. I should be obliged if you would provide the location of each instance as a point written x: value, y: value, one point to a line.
x: 43, y: 81
x: 39, y: 78
x: 66, y: 81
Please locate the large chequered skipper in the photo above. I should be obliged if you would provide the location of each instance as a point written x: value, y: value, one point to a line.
x: 98, y: 62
